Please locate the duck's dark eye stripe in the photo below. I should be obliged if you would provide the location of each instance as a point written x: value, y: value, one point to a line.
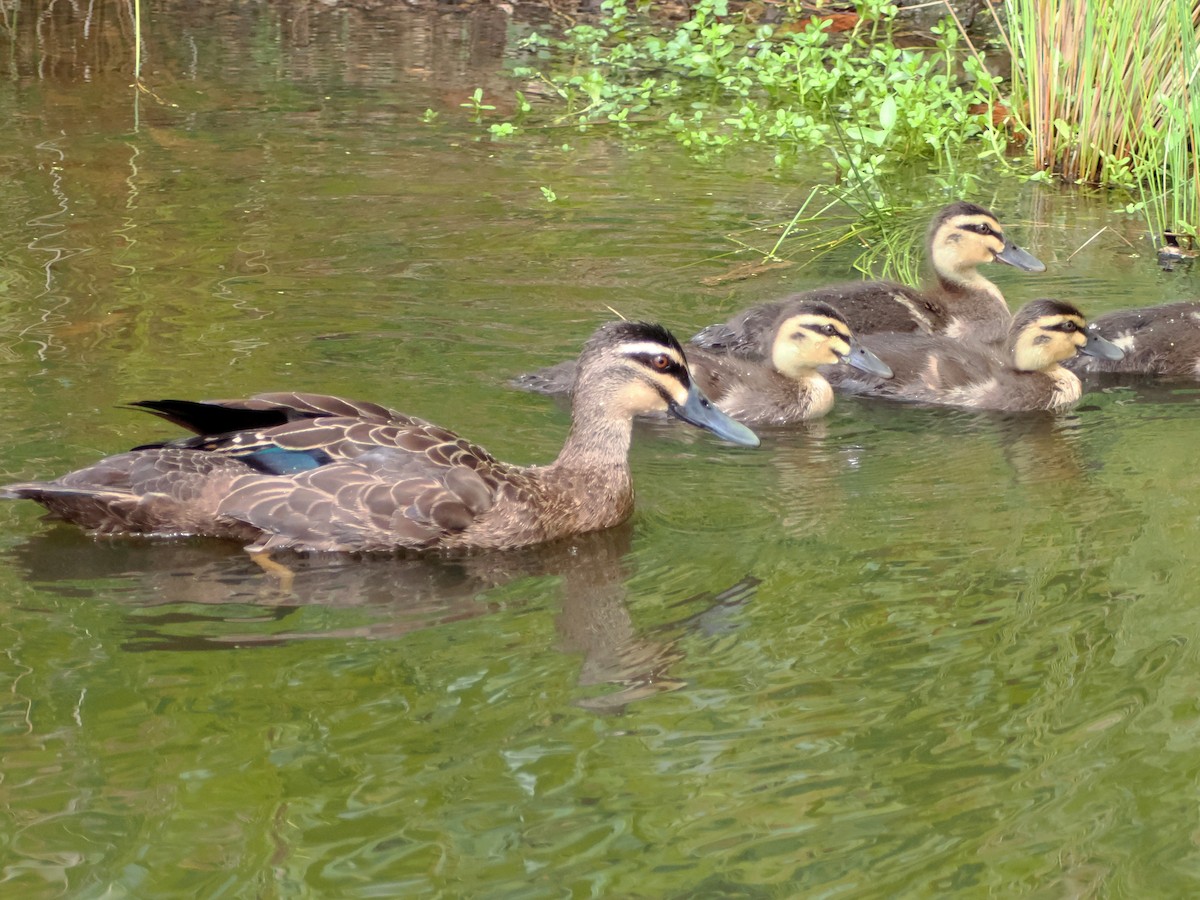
x: 672, y: 367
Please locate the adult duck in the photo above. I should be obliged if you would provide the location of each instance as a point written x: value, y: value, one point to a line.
x: 311, y: 472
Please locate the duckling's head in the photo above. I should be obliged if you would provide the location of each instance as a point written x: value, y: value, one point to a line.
x: 628, y: 369
x: 1044, y: 333
x: 808, y: 335
x: 964, y: 236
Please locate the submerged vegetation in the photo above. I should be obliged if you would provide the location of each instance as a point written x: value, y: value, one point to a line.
x: 1101, y: 93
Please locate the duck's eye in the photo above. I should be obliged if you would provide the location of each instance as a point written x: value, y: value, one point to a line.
x: 662, y: 362
x: 1069, y: 326
x: 981, y: 228
x: 829, y: 331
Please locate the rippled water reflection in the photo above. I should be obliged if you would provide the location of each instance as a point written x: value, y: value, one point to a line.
x: 897, y: 652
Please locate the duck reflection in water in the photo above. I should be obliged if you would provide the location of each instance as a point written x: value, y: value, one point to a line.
x: 199, y: 595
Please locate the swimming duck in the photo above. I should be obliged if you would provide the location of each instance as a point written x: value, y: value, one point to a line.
x: 1027, y: 374
x: 311, y: 472
x: 784, y: 388
x: 1157, y: 340
x: 962, y: 237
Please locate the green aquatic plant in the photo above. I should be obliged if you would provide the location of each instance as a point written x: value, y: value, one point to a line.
x: 476, y: 105
x: 714, y: 82
x: 1108, y: 94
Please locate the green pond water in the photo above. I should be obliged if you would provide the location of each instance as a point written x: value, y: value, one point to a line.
x: 900, y: 652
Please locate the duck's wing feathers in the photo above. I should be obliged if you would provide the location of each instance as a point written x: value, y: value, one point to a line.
x: 1157, y: 340
x: 214, y: 417
x: 384, y: 499
x: 925, y: 367
x: 868, y: 307
x: 719, y: 374
x: 745, y: 334
x: 388, y: 488
x: 556, y: 379
x: 158, y: 492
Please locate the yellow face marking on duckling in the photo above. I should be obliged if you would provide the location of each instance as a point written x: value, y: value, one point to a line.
x: 1047, y: 341
x: 806, y: 341
x: 963, y: 243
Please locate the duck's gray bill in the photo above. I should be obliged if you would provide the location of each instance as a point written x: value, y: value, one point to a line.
x: 699, y: 411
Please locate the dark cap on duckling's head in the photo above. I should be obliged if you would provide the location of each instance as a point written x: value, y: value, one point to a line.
x: 1046, y: 306
x: 958, y: 208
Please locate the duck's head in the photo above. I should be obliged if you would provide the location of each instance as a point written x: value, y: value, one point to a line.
x: 1044, y: 333
x: 964, y: 236
x: 634, y: 368
x: 808, y: 335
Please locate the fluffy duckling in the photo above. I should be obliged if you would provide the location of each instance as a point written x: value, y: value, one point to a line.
x: 1026, y: 374
x: 1157, y: 340
x: 781, y: 389
x: 962, y: 237
x: 311, y: 472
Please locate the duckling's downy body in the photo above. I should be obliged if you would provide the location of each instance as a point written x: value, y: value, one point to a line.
x: 781, y: 388
x: 962, y: 237
x: 1158, y: 340
x: 1026, y: 374
x: 311, y: 472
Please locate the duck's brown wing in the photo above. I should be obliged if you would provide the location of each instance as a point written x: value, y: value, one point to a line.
x: 717, y: 374
x: 924, y: 367
x: 745, y: 334
x: 1157, y: 340
x: 418, y: 494
x: 868, y: 307
x: 556, y: 379
x: 372, y: 480
x: 159, y: 492
x: 216, y: 417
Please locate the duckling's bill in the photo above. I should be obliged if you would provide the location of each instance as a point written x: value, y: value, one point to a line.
x: 1021, y: 259
x: 1101, y: 348
x: 698, y: 410
x: 865, y: 361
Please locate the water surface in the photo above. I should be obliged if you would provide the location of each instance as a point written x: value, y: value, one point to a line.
x: 900, y: 651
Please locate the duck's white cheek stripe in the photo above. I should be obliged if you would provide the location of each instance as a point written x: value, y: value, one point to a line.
x: 649, y: 347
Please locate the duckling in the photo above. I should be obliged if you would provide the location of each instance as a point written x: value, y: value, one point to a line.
x: 1027, y: 374
x: 962, y: 237
x: 311, y: 472
x: 782, y: 389
x: 1157, y: 340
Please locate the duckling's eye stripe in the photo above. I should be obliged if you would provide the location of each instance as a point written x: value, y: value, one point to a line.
x: 982, y: 228
x: 818, y: 326
x: 1067, y: 326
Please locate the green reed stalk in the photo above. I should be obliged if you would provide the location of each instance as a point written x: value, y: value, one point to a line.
x: 1108, y: 95
x: 137, y: 41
